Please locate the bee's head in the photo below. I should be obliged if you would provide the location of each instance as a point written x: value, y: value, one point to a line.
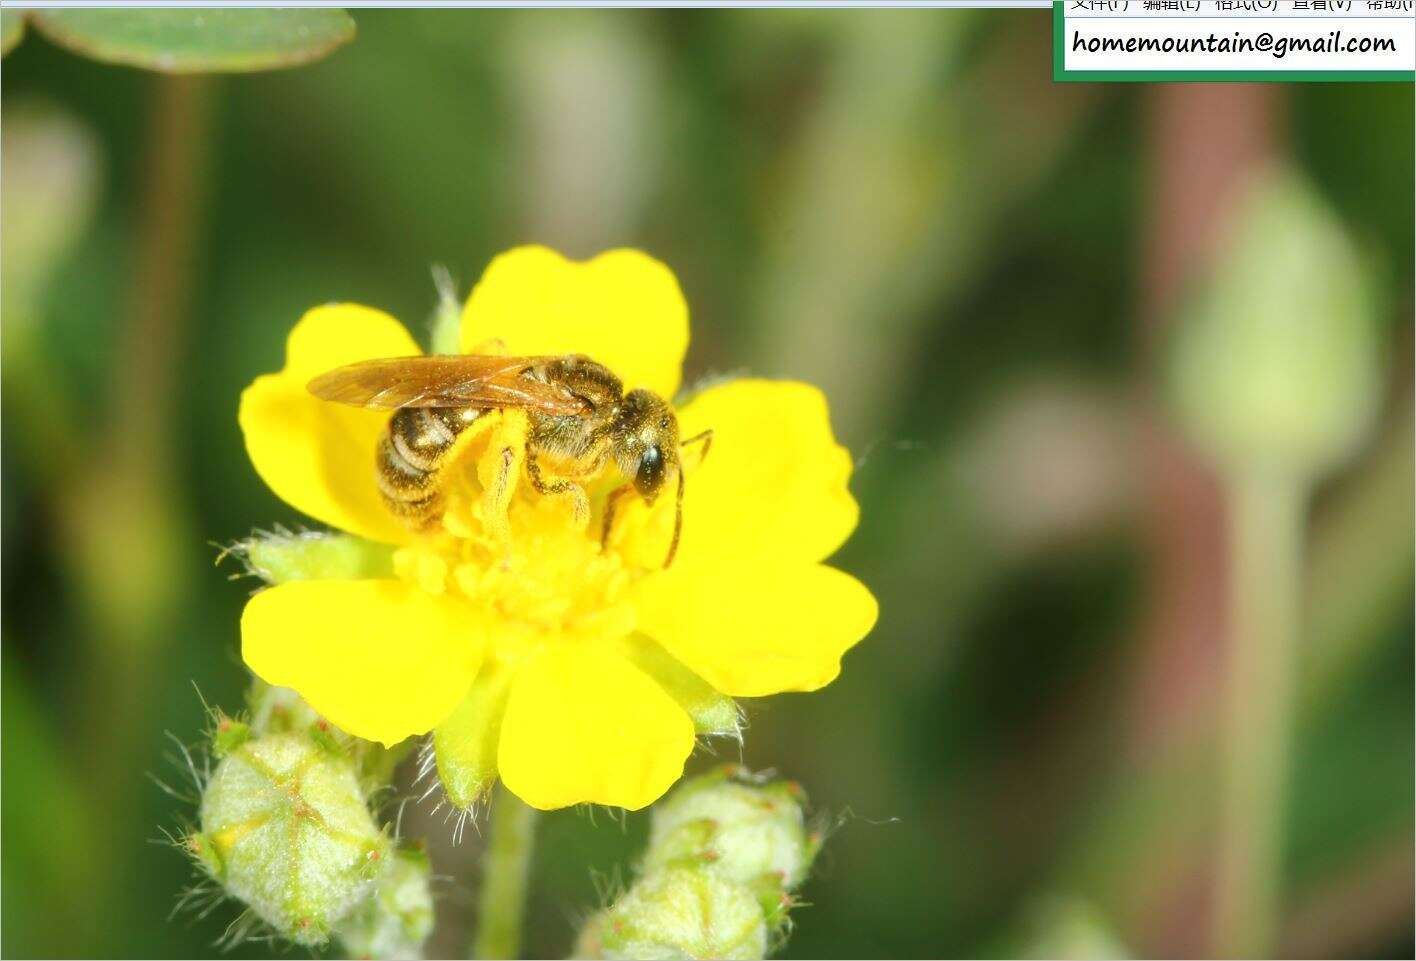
x: 649, y: 442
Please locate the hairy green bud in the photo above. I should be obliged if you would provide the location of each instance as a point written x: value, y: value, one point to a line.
x: 748, y: 830
x: 726, y: 849
x: 680, y: 912
x: 279, y: 710
x: 1064, y: 927
x: 285, y: 828
x: 398, y: 917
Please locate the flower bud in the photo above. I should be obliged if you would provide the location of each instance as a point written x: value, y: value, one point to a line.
x: 749, y: 831
x: 285, y: 828
x: 1065, y: 927
x: 725, y: 851
x: 398, y: 917
x: 1276, y: 363
x: 680, y: 912
x: 280, y: 710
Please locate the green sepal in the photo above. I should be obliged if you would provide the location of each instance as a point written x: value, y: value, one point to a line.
x: 279, y: 557
x: 204, y: 853
x: 330, y: 738
x: 712, y: 713
x: 446, y: 337
x: 465, y: 745
x: 228, y: 735
x: 776, y: 901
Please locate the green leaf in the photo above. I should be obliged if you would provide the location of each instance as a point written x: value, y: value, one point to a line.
x: 198, y: 40
x: 12, y: 29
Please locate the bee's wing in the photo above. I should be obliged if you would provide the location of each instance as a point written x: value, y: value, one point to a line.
x: 465, y: 380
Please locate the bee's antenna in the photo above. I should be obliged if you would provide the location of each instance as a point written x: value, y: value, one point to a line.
x: 706, y: 439
x: 702, y: 437
x: 678, y: 519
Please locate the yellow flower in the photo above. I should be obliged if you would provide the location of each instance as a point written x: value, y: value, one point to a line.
x: 574, y: 672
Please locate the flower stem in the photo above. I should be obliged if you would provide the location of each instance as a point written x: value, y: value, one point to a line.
x: 1266, y: 545
x: 506, y: 864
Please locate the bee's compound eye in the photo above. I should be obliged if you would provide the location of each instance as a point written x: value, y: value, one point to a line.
x: 650, y: 476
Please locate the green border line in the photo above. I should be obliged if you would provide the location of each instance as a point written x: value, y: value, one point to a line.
x: 1061, y: 74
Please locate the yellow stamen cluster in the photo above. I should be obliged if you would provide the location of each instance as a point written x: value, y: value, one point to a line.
x: 523, y: 559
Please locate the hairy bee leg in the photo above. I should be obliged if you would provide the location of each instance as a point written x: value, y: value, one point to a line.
x: 496, y: 501
x: 498, y: 471
x: 611, y: 505
x: 579, y: 501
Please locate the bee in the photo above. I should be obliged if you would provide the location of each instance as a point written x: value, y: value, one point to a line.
x: 579, y: 414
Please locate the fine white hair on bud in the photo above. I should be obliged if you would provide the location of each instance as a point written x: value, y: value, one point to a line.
x: 285, y: 828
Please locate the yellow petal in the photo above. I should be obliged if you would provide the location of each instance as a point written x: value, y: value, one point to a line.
x: 318, y: 456
x: 623, y: 309
x: 380, y: 659
x: 772, y: 485
x: 584, y: 725
x: 757, y: 629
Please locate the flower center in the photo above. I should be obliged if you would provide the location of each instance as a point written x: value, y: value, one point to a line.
x: 551, y: 582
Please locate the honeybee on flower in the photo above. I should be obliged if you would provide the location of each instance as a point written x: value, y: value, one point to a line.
x: 537, y: 632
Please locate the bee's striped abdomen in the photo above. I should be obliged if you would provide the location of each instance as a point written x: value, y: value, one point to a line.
x: 410, y: 458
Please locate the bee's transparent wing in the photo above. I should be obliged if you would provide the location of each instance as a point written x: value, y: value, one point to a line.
x: 465, y: 380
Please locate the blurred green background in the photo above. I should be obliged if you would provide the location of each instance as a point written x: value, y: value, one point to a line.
x: 985, y: 271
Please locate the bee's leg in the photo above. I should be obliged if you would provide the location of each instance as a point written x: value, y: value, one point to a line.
x: 499, y: 469
x: 611, y: 504
x: 703, y: 437
x: 579, y: 502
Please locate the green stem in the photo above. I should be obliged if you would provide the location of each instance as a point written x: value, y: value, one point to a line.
x: 1266, y: 548
x: 506, y: 864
